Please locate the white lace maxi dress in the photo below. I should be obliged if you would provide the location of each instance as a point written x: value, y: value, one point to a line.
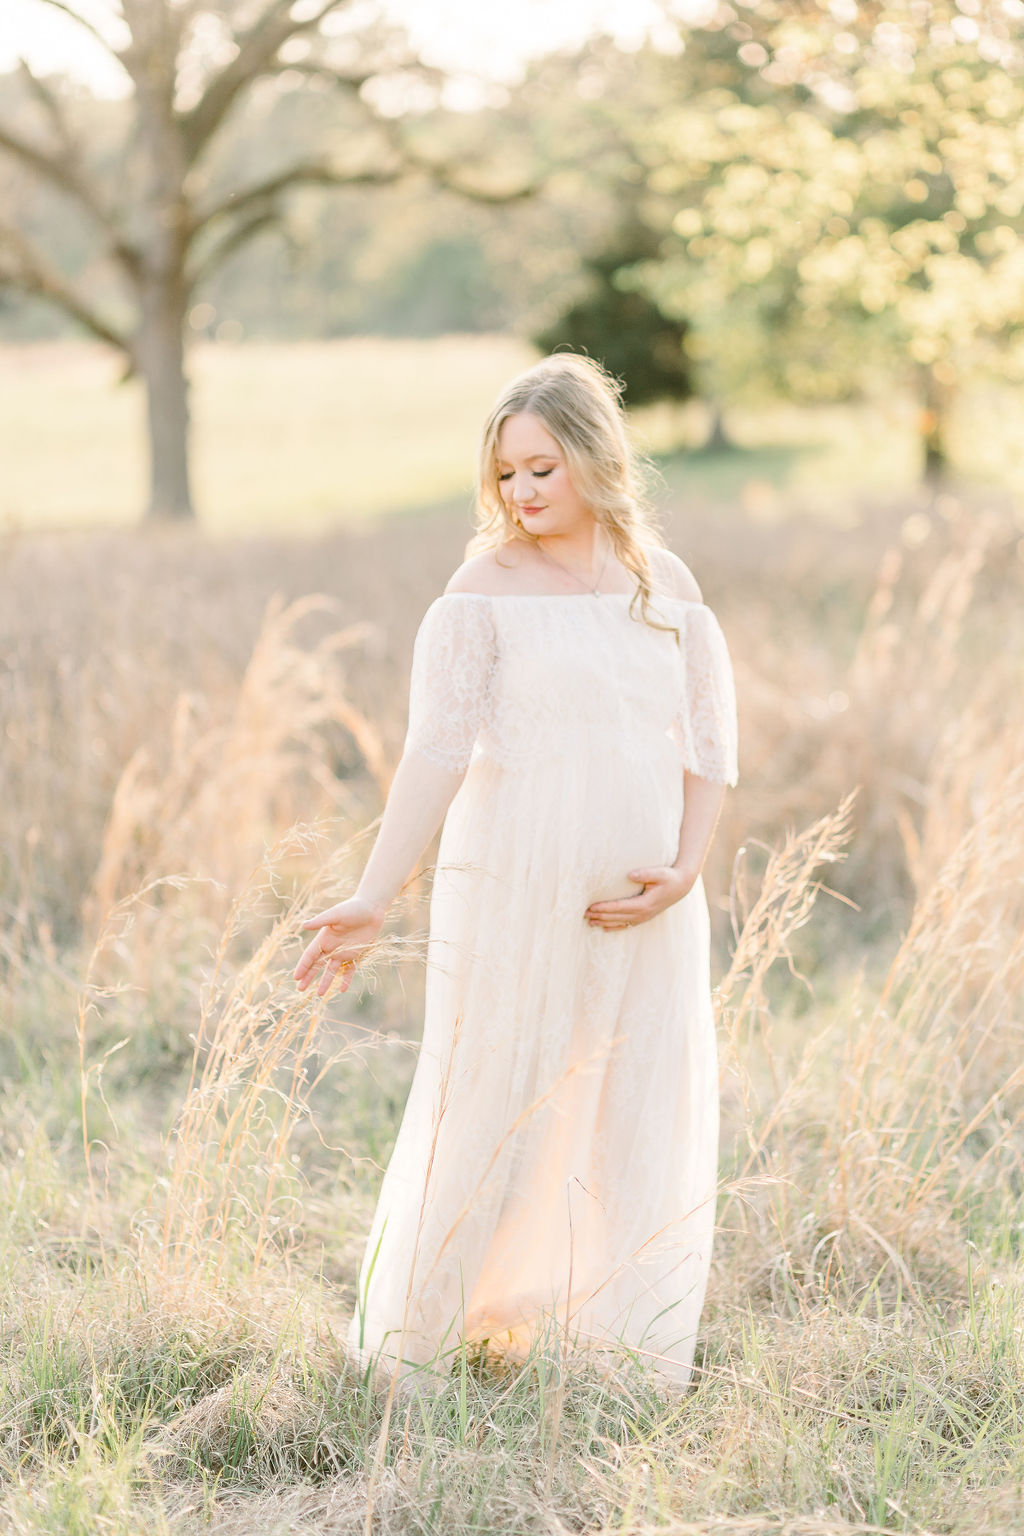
x: 557, y: 1155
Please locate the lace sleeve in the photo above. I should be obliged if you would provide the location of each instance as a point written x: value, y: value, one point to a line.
x: 450, y: 685
x: 705, y: 722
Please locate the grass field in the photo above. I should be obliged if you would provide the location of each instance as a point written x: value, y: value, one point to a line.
x: 287, y: 438
x: 302, y: 437
x: 196, y: 733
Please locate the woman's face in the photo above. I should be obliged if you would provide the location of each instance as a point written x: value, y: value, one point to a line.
x: 534, y: 479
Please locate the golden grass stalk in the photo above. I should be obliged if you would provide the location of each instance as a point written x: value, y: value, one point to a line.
x: 925, y: 1086
x: 257, y: 1042
x: 231, y: 786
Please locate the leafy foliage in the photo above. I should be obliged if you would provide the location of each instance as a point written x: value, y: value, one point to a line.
x: 620, y: 325
x: 860, y: 225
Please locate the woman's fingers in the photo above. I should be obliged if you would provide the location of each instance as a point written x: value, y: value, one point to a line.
x: 334, y: 967
x: 334, y: 949
x: 626, y: 905
x: 619, y: 919
x: 629, y: 910
x: 629, y: 906
x: 315, y: 952
x: 345, y: 932
x: 332, y: 964
x: 322, y: 919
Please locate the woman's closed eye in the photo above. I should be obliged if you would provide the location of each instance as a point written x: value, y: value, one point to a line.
x: 538, y: 474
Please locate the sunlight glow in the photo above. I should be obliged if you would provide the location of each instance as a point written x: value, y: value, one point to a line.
x: 50, y: 42
x: 457, y: 35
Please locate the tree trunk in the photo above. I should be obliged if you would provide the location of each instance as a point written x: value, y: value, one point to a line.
x: 160, y: 352
x: 932, y: 425
x: 162, y: 286
x: 718, y: 439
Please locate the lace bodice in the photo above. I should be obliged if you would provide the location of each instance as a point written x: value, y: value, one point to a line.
x: 520, y: 678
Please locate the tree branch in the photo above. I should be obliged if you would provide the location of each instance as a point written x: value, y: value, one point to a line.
x: 73, y: 169
x: 439, y: 171
x: 266, y: 210
x: 29, y: 272
x: 256, y: 50
x: 309, y: 174
x: 440, y: 174
x: 44, y: 164
x: 354, y: 80
x: 350, y: 80
x: 232, y: 241
x: 69, y: 10
x: 47, y: 99
x: 478, y: 194
x: 66, y: 173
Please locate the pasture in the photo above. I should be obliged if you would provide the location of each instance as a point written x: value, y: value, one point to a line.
x: 198, y: 728
x: 299, y: 437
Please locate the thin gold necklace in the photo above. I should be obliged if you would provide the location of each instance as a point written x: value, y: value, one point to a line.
x: 595, y: 589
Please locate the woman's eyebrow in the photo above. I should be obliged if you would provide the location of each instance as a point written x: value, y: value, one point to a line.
x: 532, y: 459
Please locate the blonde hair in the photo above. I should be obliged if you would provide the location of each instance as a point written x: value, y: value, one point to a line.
x: 580, y: 404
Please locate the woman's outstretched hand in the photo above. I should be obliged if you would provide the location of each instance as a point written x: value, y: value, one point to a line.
x: 344, y: 933
x: 662, y: 886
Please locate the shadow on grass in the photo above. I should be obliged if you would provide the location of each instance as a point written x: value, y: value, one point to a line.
x: 721, y: 473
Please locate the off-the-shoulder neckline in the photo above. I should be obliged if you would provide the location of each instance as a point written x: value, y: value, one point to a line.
x: 571, y: 597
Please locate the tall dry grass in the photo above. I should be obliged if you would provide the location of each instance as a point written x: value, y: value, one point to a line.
x: 190, y: 1150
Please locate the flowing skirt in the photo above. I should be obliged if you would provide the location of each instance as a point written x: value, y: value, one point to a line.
x: 557, y: 1156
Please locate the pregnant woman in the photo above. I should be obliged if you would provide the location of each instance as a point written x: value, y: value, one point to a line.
x: 572, y: 721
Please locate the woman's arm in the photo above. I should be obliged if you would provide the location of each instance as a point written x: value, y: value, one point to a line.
x: 420, y: 794
x: 702, y: 806
x: 448, y: 699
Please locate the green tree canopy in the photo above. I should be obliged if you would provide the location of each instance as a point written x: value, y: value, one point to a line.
x: 859, y: 224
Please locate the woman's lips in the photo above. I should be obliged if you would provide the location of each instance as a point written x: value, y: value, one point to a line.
x: 531, y: 509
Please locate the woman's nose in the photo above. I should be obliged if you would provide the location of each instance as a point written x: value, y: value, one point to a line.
x: 522, y: 489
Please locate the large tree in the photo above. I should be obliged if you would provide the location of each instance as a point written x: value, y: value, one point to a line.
x: 850, y: 202
x: 164, y: 208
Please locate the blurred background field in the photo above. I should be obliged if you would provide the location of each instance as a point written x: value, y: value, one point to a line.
x: 297, y: 437
x: 796, y: 232
x: 290, y: 437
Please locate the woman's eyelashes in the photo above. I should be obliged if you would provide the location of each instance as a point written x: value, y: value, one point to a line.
x: 538, y: 474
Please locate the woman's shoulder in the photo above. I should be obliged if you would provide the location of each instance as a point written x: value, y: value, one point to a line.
x: 502, y: 569
x: 672, y: 577
x: 491, y: 573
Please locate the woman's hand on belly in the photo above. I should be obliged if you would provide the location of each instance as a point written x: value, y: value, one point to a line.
x: 663, y: 885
